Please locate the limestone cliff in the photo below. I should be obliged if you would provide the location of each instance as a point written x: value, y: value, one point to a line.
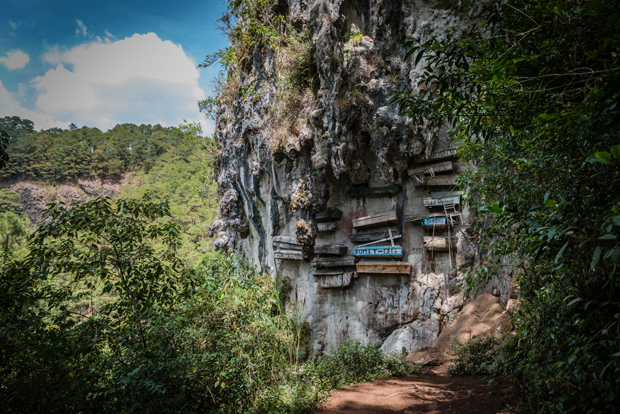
x: 340, y: 144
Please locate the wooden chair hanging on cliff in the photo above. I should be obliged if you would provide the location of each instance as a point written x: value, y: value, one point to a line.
x: 452, y: 214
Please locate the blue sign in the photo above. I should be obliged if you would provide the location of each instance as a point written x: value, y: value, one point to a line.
x: 378, y: 251
x: 434, y: 221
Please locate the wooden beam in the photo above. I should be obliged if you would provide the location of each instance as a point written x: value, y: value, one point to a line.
x: 373, y: 191
x: 374, y: 235
x: 377, y: 220
x: 321, y: 261
x: 435, y: 168
x: 287, y: 246
x: 336, y: 249
x: 331, y: 214
x: 327, y: 227
x: 440, y: 180
x: 442, y: 154
x: 327, y: 272
x: 384, y: 267
x: 288, y: 255
x: 417, y: 217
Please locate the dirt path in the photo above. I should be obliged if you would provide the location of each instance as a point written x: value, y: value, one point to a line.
x: 433, y: 392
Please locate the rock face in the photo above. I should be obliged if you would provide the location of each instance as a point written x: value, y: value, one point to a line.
x: 34, y: 196
x: 338, y: 145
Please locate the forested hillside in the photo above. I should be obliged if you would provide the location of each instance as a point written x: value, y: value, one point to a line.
x: 171, y: 164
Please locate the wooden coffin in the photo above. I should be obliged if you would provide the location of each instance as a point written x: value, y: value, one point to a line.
x: 286, y: 243
x: 375, y: 221
x: 374, y: 235
x: 327, y: 261
x: 443, y: 194
x: 384, y: 268
x: 387, y: 252
x: 335, y: 281
x: 419, y: 217
x: 334, y: 249
x: 373, y: 192
x: 327, y: 227
x: 443, y: 154
x: 439, y: 244
x: 435, y: 223
x: 434, y: 202
x: 431, y: 168
x: 440, y: 180
x: 331, y: 214
x: 288, y: 255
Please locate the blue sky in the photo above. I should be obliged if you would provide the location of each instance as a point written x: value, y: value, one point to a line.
x: 99, y: 63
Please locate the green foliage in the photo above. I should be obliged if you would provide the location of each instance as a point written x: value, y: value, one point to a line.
x: 352, y: 363
x: 13, y: 235
x: 9, y: 200
x: 5, y: 139
x: 483, y: 355
x: 58, y: 155
x: 531, y: 93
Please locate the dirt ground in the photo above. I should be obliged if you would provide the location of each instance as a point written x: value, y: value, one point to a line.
x: 433, y: 392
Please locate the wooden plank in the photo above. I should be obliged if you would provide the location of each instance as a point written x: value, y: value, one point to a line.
x: 327, y: 227
x: 336, y: 249
x: 374, y: 235
x: 373, y: 191
x: 288, y: 255
x: 435, y: 168
x: 377, y: 220
x: 321, y: 261
x: 379, y: 251
x: 285, y: 239
x: 442, y: 194
x: 440, y: 180
x: 336, y: 281
x: 438, y: 244
x: 442, y: 154
x: 327, y: 272
x: 385, y: 267
x: 287, y: 246
x: 331, y: 214
x: 434, y: 202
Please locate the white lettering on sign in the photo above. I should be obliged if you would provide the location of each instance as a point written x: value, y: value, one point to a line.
x: 342, y: 280
x: 378, y: 251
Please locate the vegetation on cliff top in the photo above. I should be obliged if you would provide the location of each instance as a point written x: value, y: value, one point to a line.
x: 532, y: 94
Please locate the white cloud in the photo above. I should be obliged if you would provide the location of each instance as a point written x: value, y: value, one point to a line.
x: 9, y: 105
x: 15, y: 59
x: 110, y: 35
x: 13, y: 25
x: 139, y: 79
x: 81, y: 30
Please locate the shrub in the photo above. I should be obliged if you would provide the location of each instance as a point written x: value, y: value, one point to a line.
x: 483, y: 355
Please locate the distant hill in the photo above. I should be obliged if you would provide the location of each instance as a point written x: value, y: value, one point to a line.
x: 75, y: 164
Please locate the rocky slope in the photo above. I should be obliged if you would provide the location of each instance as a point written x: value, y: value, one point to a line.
x: 277, y: 170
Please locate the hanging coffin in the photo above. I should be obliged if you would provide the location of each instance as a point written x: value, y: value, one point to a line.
x: 386, y: 252
x: 321, y: 262
x: 384, y: 268
x: 334, y: 249
x: 435, y: 223
x: 434, y: 202
x: 331, y: 214
x: 443, y: 154
x: 431, y: 169
x: 328, y: 281
x: 288, y: 255
x: 286, y: 243
x: 376, y: 221
x: 327, y: 227
x: 374, y: 235
x: 439, y: 244
x: 440, y: 180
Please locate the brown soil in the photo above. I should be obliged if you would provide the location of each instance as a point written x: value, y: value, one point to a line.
x: 433, y: 392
